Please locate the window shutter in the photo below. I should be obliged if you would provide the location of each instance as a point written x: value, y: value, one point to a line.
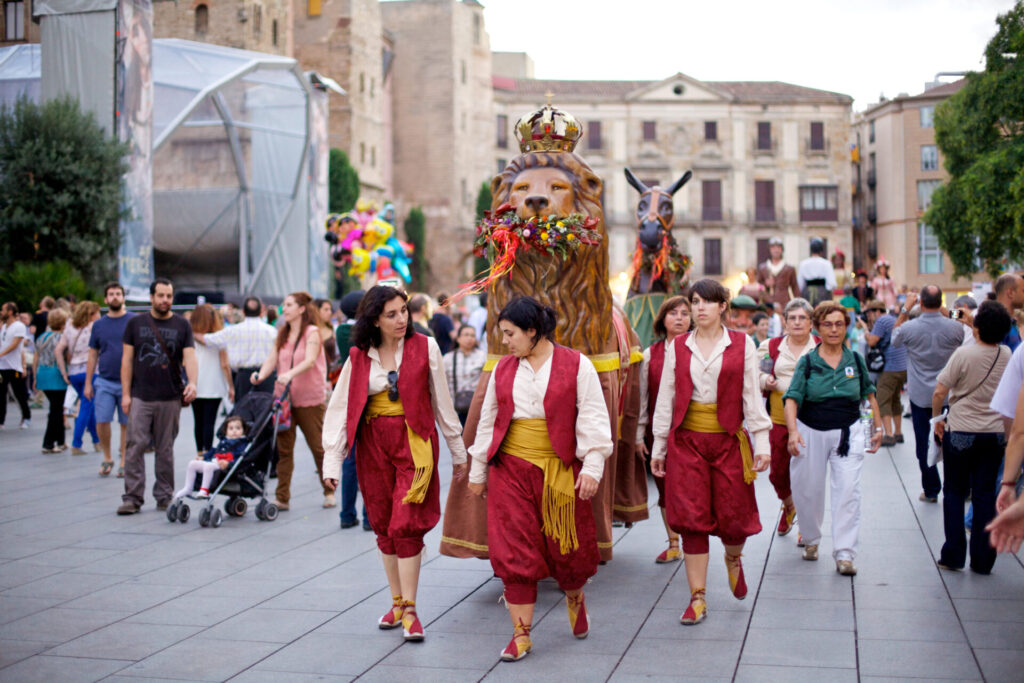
x: 817, y: 135
x: 711, y: 130
x: 711, y: 192
x: 650, y: 131
x: 594, y: 135
x: 713, y: 256
x: 764, y: 135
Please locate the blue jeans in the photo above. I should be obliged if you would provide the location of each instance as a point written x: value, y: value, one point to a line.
x: 930, y: 481
x: 349, y: 488
x: 85, y: 418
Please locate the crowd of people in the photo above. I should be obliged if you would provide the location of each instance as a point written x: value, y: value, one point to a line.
x: 802, y: 374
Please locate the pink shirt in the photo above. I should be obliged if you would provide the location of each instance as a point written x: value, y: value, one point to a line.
x: 309, y: 388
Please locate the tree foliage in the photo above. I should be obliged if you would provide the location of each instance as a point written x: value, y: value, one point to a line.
x: 416, y: 232
x: 26, y: 283
x: 342, y: 183
x: 483, y: 203
x: 60, y: 188
x: 979, y: 213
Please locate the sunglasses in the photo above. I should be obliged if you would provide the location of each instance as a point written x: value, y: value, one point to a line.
x: 393, y: 385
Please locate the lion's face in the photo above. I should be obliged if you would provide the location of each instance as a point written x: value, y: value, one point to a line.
x: 542, y: 192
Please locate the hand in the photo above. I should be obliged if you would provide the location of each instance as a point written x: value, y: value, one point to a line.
x: 940, y: 429
x: 586, y: 486
x: 478, y: 489
x: 459, y: 471
x: 199, y: 457
x: 126, y: 403
x: 35, y: 389
x: 910, y: 302
x: 283, y: 379
x: 254, y: 378
x: 332, y: 484
x: 641, y: 449
x: 876, y: 442
x: 223, y: 464
x: 231, y: 393
x: 966, y: 317
x: 658, y: 467
x: 190, y: 393
x: 761, y: 462
x: 796, y: 442
x: 1007, y: 497
x: 1007, y: 529
x: 87, y: 391
x: 771, y: 384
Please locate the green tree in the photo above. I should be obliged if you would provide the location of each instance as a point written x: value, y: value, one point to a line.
x: 60, y: 188
x: 28, y: 282
x: 416, y: 232
x: 342, y: 183
x: 979, y: 213
x: 483, y: 203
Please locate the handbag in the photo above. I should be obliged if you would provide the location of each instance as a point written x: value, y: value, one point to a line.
x: 176, y: 380
x: 464, y: 398
x: 284, y: 415
x: 876, y: 357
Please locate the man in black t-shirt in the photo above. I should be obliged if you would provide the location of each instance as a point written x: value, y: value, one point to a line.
x: 152, y: 390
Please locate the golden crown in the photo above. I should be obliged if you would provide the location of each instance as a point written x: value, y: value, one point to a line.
x: 548, y: 130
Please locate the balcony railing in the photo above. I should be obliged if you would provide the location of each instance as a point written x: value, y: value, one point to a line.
x: 764, y: 214
x: 872, y: 180
x: 872, y: 215
x: 815, y: 147
x: 766, y: 147
x: 711, y: 214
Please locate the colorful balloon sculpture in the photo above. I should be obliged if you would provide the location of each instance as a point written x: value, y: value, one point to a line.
x: 364, y: 242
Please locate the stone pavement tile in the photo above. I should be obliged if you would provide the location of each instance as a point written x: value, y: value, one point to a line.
x: 231, y: 587
x: 384, y: 673
x: 916, y: 659
x: 703, y: 658
x: 268, y: 625
x: 126, y: 597
x: 794, y: 647
x: 720, y: 625
x: 72, y: 557
x: 755, y: 673
x: 15, y: 607
x: 20, y: 547
x: 18, y: 572
x: 125, y: 641
x: 452, y: 577
x: 64, y: 586
x: 171, y: 574
x: 200, y: 658
x: 1002, y: 609
x: 554, y: 666
x: 1004, y: 580
x: 470, y: 617
x: 56, y: 625
x: 328, y: 654
x: 12, y: 651
x: 1001, y: 665
x: 906, y: 679
x: 825, y: 615
x: 188, y: 611
x: 257, y: 676
x: 58, y: 669
x: 995, y: 635
x: 451, y: 651
x: 608, y: 634
x: 892, y: 624
x: 831, y: 586
x: 119, y: 540
x: 884, y: 597
x: 302, y: 597
x: 651, y: 678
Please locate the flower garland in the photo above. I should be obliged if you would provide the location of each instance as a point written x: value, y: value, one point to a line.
x: 667, y: 262
x: 504, y: 234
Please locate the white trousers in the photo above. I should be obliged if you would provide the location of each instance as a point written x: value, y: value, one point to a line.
x: 807, y: 475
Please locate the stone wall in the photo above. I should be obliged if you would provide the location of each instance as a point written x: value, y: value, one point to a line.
x: 241, y: 24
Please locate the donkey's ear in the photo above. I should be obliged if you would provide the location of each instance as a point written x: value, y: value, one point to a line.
x: 679, y: 183
x: 635, y: 182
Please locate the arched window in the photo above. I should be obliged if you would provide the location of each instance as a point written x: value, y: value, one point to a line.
x: 202, y: 18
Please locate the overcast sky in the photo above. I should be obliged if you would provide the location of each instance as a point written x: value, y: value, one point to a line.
x: 857, y: 47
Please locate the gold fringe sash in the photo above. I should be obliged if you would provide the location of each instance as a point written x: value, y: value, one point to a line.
x: 775, y: 408
x: 379, y: 405
x: 703, y: 417
x: 528, y: 439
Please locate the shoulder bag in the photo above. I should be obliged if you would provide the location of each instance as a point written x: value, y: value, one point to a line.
x: 176, y: 379
x: 463, y: 398
x: 284, y: 417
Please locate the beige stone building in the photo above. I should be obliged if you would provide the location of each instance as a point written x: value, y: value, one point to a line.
x: 261, y: 26
x: 897, y: 166
x: 16, y: 25
x: 768, y: 159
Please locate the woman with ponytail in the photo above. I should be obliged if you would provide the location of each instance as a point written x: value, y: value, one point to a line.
x: 539, y: 455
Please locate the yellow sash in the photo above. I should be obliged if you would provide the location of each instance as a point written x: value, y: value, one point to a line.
x: 379, y: 405
x: 703, y: 417
x: 528, y: 439
x: 775, y: 408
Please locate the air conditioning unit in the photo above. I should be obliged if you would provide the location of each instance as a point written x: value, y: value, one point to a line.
x: 243, y: 16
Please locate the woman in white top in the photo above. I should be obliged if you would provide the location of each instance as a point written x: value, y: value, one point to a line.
x: 214, y: 383
x: 72, y: 355
x: 701, y: 447
x: 388, y: 397
x: 463, y: 366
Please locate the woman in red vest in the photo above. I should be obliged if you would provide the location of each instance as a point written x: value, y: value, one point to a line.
x: 389, y: 393
x: 539, y: 455
x: 709, y: 387
x: 673, y: 319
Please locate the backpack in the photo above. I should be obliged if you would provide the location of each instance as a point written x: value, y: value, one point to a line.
x: 876, y: 356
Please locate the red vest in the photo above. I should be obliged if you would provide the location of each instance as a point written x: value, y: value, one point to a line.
x: 654, y: 368
x: 413, y: 388
x: 559, y: 402
x: 730, y: 382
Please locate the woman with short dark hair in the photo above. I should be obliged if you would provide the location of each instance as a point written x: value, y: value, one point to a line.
x: 709, y: 389
x: 973, y: 439
x: 541, y: 445
x: 388, y: 396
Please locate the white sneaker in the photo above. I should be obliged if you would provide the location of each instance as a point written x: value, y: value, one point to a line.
x: 25, y: 424
x: 329, y: 501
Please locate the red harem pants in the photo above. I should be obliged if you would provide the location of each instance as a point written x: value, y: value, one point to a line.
x: 705, y: 491
x: 521, y: 554
x: 385, y: 471
x: 778, y: 438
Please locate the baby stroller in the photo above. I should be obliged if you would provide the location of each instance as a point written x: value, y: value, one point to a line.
x: 248, y: 474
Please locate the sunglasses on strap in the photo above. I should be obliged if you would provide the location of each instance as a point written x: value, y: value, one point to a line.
x: 393, y: 385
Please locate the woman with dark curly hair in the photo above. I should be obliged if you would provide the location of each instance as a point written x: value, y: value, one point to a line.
x: 388, y: 396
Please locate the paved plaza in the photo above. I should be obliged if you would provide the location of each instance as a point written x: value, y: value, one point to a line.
x: 86, y: 595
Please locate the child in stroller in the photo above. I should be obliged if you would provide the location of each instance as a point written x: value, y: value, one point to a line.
x: 220, y: 458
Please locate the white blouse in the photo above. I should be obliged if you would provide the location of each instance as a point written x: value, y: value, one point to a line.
x: 645, y: 396
x: 336, y: 417
x: 785, y: 364
x: 704, y: 374
x: 593, y: 430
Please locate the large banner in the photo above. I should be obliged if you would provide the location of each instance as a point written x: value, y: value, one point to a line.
x: 318, y: 272
x: 135, y: 126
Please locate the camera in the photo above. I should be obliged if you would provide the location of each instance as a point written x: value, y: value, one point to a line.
x: 956, y: 314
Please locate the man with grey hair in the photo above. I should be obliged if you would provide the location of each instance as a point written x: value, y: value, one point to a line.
x: 1009, y: 291
x: 930, y: 340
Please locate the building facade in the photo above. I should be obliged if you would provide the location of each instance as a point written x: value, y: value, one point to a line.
x: 17, y: 24
x: 768, y: 159
x: 897, y: 168
x: 263, y: 26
